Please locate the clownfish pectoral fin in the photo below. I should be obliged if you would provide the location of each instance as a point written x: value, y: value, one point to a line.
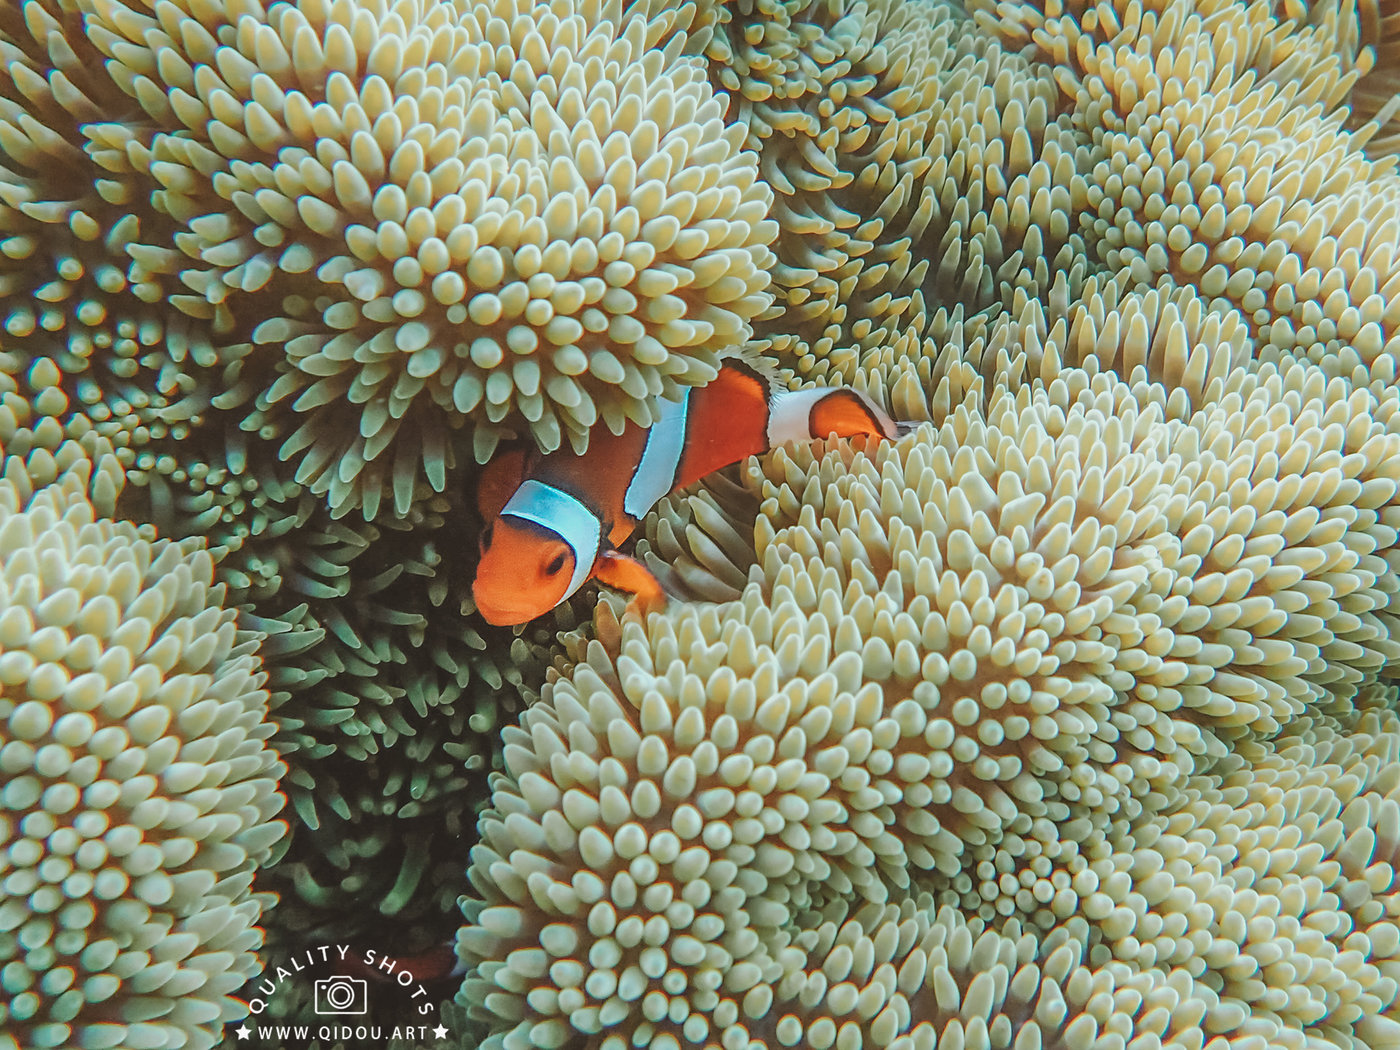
x: 627, y: 574
x: 905, y: 426
x: 499, y: 480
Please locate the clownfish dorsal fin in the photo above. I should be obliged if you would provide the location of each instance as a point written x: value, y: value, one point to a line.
x: 750, y: 358
x: 498, y: 482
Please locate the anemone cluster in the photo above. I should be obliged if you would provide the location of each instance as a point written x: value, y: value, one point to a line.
x: 1089, y: 669
x: 139, y: 791
x: 431, y: 211
x: 999, y: 682
x: 1066, y: 720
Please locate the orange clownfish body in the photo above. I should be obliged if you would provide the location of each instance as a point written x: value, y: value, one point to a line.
x: 556, y: 520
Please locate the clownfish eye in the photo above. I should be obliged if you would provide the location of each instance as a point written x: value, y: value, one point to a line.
x: 557, y: 563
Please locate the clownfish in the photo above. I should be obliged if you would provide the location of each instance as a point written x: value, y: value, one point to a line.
x: 556, y: 520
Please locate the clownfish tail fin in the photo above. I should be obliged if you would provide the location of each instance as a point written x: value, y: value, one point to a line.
x: 905, y: 426
x: 820, y: 412
x: 845, y: 412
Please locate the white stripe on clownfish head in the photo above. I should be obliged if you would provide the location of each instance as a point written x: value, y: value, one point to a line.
x: 562, y: 514
x: 661, y: 458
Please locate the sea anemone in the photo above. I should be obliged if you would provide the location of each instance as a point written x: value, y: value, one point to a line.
x: 431, y: 212
x: 81, y: 250
x: 1216, y: 153
x: 979, y: 664
x: 1272, y: 881
x: 139, y: 792
x: 918, y: 168
x: 1063, y: 720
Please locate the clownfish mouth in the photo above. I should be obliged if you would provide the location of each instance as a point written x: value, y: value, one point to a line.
x: 504, y: 614
x: 500, y: 615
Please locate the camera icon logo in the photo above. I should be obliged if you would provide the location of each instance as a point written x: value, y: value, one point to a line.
x: 341, y: 995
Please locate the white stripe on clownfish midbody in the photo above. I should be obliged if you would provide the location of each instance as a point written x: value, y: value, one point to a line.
x: 556, y: 520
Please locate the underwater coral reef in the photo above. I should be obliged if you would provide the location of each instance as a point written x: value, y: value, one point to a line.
x: 1067, y: 720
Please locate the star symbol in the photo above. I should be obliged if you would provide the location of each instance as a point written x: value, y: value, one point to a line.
x: 243, y: 1033
x: 440, y: 1032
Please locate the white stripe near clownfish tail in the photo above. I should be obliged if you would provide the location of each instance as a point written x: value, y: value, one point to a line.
x: 790, y: 413
x: 791, y: 418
